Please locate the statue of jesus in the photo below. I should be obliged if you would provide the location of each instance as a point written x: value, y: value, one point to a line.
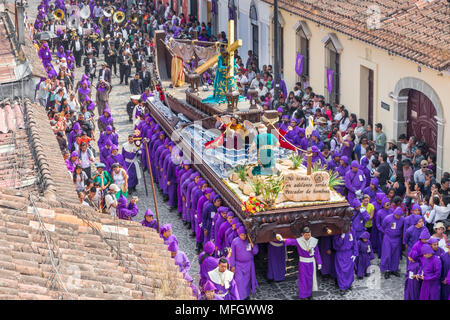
x: 265, y: 143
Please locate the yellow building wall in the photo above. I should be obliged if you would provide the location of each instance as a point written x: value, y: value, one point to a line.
x: 388, y: 70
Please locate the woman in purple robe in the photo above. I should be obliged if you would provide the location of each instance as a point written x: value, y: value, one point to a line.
x: 379, y: 217
x: 309, y: 258
x: 115, y: 157
x: 392, y: 227
x: 276, y: 261
x: 180, y: 258
x: 327, y: 254
x: 242, y: 264
x: 365, y: 255
x: 431, y: 274
x: 108, y: 134
x: 149, y: 221
x: 346, y: 252
x: 412, y: 282
x: 124, y: 211
x: 105, y: 120
x: 60, y: 53
x: 207, y: 262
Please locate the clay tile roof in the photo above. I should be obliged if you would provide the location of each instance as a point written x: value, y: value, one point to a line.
x: 53, y: 248
x: 7, y: 56
x: 417, y: 30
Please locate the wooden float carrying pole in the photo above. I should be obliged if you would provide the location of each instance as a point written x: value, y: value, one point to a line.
x: 308, y: 161
x: 153, y: 184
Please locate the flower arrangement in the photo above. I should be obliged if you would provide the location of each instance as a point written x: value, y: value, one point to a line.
x: 252, y: 206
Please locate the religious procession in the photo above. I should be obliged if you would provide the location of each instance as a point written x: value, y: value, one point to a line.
x: 259, y: 183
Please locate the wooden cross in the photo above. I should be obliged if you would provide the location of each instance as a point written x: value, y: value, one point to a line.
x: 232, y: 46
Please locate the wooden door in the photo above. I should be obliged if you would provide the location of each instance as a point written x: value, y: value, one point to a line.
x: 421, y: 121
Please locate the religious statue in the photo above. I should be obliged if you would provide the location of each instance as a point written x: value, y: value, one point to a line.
x: 265, y: 143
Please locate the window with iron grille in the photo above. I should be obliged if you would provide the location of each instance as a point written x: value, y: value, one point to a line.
x: 303, y: 49
x: 332, y: 62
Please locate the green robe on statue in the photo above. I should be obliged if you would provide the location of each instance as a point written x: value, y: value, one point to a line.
x: 265, y: 143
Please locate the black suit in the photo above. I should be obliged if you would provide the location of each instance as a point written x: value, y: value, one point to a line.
x: 77, y: 54
x: 124, y: 68
x: 106, y: 73
x: 145, y: 76
x: 136, y: 86
x: 87, y: 67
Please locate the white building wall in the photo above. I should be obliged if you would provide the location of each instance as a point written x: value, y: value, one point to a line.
x: 264, y: 36
x: 223, y: 16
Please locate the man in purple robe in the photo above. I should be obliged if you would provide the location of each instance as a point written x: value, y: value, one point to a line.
x: 242, y: 264
x: 292, y: 131
x: 180, y: 258
x: 346, y: 252
x: 130, y: 155
x: 415, y: 255
x: 342, y: 170
x: 162, y: 174
x: 105, y: 152
x: 300, y: 140
x: 365, y: 170
x: 434, y: 243
x: 412, y: 234
x: 231, y: 233
x: 430, y: 275
x: 198, y: 218
x: 392, y: 227
x: 445, y: 281
x: 196, y: 194
x: 376, y: 201
x: 166, y: 234
x: 207, y: 262
x: 219, y: 218
x: 372, y: 189
x: 115, y: 157
x: 284, y: 125
x: 189, y: 204
x: 149, y: 221
x: 379, y: 217
x: 157, y: 173
x: 107, y: 134
x: 276, y: 261
x: 412, y: 281
x: 359, y: 219
x: 182, y: 175
x: 309, y: 258
x: 355, y: 181
x: 105, y: 119
x: 170, y: 176
x: 365, y: 255
x: 159, y: 140
x: 184, y: 188
x: 208, y: 213
x: 415, y: 211
x: 76, y: 129
x: 223, y: 279
x: 219, y: 239
x: 334, y: 162
x: 124, y: 211
x: 327, y: 254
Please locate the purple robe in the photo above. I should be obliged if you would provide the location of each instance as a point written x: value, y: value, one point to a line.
x: 359, y: 221
x: 230, y: 236
x: 306, y: 265
x: 410, y: 237
x: 183, y: 189
x: 189, y: 204
x: 196, y: 194
x: 365, y: 254
x: 347, y: 151
x: 325, y: 244
x: 392, y: 242
x: 380, y: 215
x: 445, y: 274
x: 220, y: 235
x: 342, y: 170
x: 409, y: 221
x: 183, y: 176
x: 218, y: 220
x: 60, y: 53
x: 208, y: 211
x: 169, y: 169
x: 126, y: 212
x: 207, y: 263
x: 276, y: 261
x: 412, y: 285
x: 242, y: 260
x: 157, y: 172
x: 128, y: 158
x: 104, y: 154
x: 153, y: 224
x: 113, y: 159
x: 345, y: 249
x: 431, y: 284
x: 182, y: 261
x: 162, y: 173
x: 354, y: 181
x: 105, y: 136
x: 198, y: 229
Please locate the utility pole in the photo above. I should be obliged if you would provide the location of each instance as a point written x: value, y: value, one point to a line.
x: 276, y: 68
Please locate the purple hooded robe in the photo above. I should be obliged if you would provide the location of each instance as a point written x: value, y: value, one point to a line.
x: 276, y: 261
x: 431, y: 284
x: 392, y: 241
x: 345, y: 267
x: 124, y: 211
x: 365, y: 254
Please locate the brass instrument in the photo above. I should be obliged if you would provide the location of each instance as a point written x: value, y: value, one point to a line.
x: 58, y: 14
x: 134, y: 18
x: 119, y: 17
x: 108, y: 12
x: 100, y: 22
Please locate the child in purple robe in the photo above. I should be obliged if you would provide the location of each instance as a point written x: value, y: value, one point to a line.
x: 365, y: 255
x: 72, y: 162
x: 372, y: 189
x: 430, y: 274
x: 180, y: 258
x: 309, y: 258
x: 412, y: 233
x: 242, y: 264
x: 124, y: 211
x: 60, y: 53
x: 149, y: 221
x: 346, y: 252
x: 392, y: 227
x: 166, y: 234
x: 415, y: 211
x: 195, y: 291
x: 209, y: 292
x: 412, y: 282
x: 207, y: 262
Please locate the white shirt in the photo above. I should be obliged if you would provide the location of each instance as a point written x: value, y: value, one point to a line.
x: 111, y: 203
x: 244, y: 80
x: 77, y: 45
x: 255, y: 83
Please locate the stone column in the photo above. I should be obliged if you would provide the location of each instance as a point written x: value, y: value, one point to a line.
x: 440, y: 148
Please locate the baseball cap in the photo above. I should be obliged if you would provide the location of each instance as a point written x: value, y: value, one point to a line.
x: 424, y: 163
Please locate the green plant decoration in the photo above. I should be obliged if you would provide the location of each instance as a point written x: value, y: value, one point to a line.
x: 257, y: 186
x: 272, y: 187
x: 296, y: 161
x: 241, y: 172
x: 335, y: 180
